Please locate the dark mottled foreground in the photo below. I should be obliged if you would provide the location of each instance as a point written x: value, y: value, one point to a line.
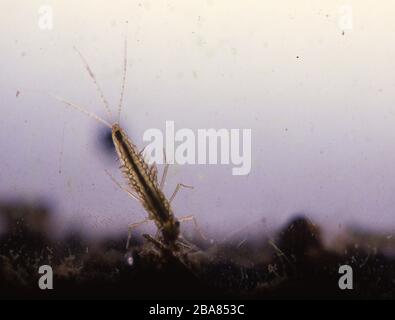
x: 292, y: 264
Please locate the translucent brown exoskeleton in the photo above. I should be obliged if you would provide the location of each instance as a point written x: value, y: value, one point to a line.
x: 141, y: 178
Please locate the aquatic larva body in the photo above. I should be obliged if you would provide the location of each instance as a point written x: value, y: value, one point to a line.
x: 142, y: 178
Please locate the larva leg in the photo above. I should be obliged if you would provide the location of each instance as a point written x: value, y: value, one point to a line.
x: 157, y: 234
x: 163, y: 179
x: 186, y: 244
x: 130, y: 193
x: 164, y: 175
x: 178, y: 187
x: 133, y: 226
x: 193, y: 219
x: 142, y: 150
x: 157, y: 243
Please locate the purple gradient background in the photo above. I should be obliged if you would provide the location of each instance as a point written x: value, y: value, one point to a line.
x: 320, y: 105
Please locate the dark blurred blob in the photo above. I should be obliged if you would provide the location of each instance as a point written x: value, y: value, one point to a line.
x: 300, y: 237
x: 26, y: 225
x: 24, y: 241
x: 105, y: 141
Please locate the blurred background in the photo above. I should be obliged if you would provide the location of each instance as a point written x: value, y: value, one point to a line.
x: 312, y: 79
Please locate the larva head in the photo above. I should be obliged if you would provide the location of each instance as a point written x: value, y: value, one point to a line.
x: 171, y: 230
x: 117, y: 132
x: 118, y: 137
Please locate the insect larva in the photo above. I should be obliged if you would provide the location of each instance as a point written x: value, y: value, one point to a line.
x: 141, y: 178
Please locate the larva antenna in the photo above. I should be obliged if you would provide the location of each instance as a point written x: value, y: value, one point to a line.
x: 125, y: 67
x: 83, y: 110
x: 98, y: 88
